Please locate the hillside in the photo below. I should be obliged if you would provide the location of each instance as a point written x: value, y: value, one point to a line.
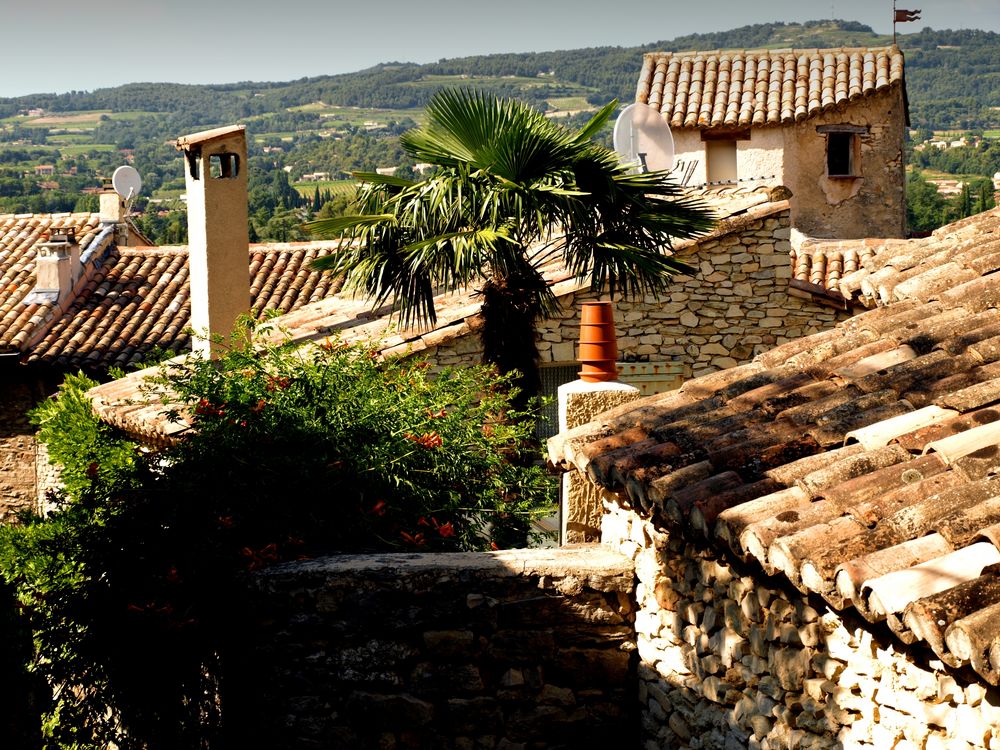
x: 328, y: 126
x: 953, y: 78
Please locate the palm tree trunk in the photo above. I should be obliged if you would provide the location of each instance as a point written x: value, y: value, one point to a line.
x: 511, y: 308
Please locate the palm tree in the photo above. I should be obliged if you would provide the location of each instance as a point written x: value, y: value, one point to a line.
x: 511, y: 193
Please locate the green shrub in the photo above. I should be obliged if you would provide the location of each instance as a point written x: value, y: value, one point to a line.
x: 135, y: 585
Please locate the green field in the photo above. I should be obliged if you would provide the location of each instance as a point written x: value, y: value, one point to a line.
x: 336, y: 187
x: 82, y: 148
x: 562, y: 103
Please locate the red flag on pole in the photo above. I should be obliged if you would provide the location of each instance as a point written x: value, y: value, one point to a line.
x: 902, y: 16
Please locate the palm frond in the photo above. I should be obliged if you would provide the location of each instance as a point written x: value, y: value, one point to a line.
x: 381, y: 179
x: 336, y: 226
x: 594, y: 125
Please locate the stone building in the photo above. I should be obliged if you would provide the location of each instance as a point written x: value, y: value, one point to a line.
x: 739, y: 301
x: 829, y: 124
x: 813, y: 537
x: 815, y: 533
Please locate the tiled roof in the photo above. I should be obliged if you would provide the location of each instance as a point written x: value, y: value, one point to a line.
x: 740, y: 88
x: 876, y: 272
x: 862, y: 463
x: 20, y: 235
x: 138, y: 300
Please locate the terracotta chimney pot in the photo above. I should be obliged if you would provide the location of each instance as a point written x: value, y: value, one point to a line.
x: 598, y: 343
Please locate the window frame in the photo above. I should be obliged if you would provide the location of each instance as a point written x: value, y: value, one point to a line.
x: 847, y: 139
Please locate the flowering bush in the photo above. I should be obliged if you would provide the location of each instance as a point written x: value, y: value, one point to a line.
x: 135, y: 585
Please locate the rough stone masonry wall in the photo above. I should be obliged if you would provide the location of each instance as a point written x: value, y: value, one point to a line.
x: 731, y: 660
x: 17, y: 448
x: 735, y: 306
x: 513, y: 649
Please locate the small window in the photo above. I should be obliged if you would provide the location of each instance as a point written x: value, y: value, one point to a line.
x: 843, y: 143
x: 840, y: 154
x: 720, y: 162
x: 224, y: 166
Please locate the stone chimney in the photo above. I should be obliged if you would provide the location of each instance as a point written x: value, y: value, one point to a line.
x: 57, y: 265
x: 112, y: 204
x: 113, y: 211
x: 215, y: 163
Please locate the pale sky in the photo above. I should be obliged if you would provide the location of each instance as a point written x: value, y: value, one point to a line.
x: 63, y: 45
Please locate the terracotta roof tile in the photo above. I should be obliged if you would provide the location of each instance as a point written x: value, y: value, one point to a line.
x: 138, y: 301
x: 742, y: 88
x: 20, y: 235
x: 903, y: 525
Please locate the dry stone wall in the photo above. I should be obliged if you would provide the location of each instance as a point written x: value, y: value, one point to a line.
x: 513, y: 649
x: 730, y: 659
x: 735, y: 306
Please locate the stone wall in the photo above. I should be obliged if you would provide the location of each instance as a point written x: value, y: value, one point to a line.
x: 17, y: 446
x: 513, y: 649
x: 871, y: 204
x: 736, y: 305
x: 730, y: 659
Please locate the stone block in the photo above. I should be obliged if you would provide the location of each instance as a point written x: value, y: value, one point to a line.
x: 790, y: 666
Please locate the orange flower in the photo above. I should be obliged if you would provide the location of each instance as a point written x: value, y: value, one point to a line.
x: 378, y: 509
x: 259, y: 407
x: 417, y: 540
x: 277, y: 383
x: 429, y: 440
x: 446, y: 530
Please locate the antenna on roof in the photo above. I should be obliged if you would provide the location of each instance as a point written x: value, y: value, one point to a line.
x: 643, y: 140
x: 127, y: 183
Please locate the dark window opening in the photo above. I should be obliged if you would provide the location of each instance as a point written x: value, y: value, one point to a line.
x: 839, y: 154
x: 194, y: 164
x: 224, y: 166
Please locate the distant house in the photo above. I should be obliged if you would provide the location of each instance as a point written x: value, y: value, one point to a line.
x: 828, y: 124
x: 44, y: 170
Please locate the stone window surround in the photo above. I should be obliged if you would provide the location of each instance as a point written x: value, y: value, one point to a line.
x: 851, y: 143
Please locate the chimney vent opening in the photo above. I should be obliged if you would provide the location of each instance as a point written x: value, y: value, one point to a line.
x: 224, y: 166
x: 194, y: 163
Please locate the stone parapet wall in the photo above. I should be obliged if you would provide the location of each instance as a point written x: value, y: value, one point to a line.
x: 734, y: 306
x: 513, y: 649
x: 731, y: 659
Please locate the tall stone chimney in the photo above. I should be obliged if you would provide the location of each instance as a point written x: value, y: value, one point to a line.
x: 57, y: 265
x: 113, y: 211
x: 215, y: 164
x: 112, y: 204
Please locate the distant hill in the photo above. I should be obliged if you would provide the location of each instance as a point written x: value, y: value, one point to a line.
x: 953, y: 78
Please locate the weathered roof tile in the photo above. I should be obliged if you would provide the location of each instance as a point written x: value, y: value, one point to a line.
x: 743, y: 88
x: 887, y: 524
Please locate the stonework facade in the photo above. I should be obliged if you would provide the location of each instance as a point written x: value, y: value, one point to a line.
x: 868, y: 203
x: 731, y: 659
x: 513, y: 649
x: 734, y: 306
x: 18, y: 446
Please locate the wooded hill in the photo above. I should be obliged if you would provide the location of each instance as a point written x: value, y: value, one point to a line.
x: 953, y: 79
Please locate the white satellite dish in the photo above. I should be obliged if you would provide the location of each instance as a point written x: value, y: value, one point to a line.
x: 126, y: 182
x: 642, y: 137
